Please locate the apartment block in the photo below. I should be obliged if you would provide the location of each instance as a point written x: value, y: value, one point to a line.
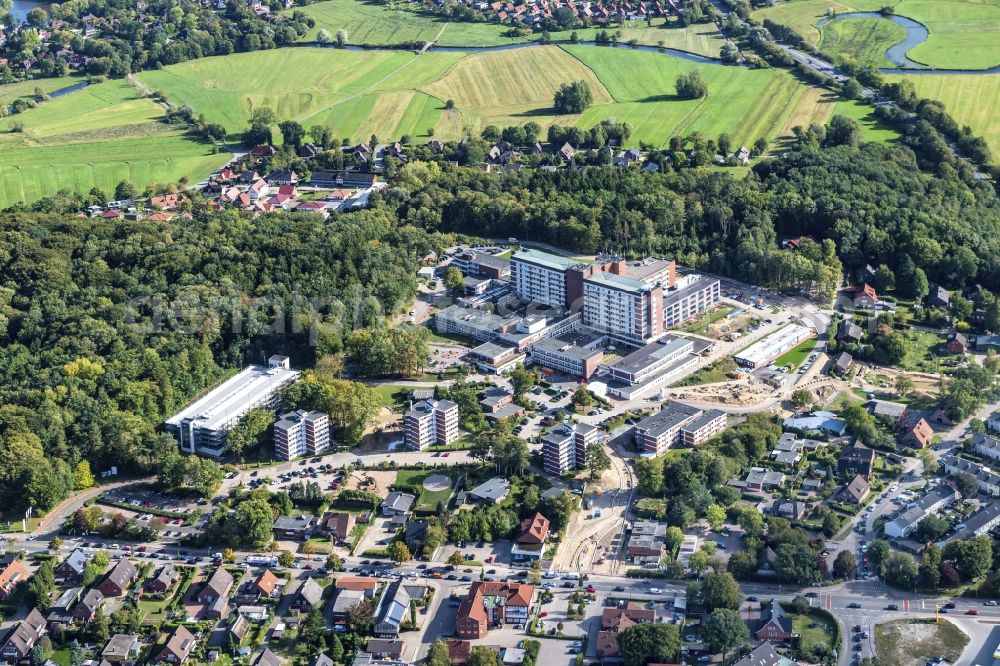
x: 301, y: 433
x: 566, y: 356
x: 564, y: 448
x: 624, y: 308
x: 677, y: 424
x: 682, y: 303
x: 541, y: 277
x: 430, y: 422
x: 201, y: 427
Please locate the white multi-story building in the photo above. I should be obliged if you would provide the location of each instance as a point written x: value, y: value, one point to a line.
x: 301, y: 433
x: 987, y: 446
x: 677, y: 423
x: 430, y: 422
x: 624, y: 308
x: 540, y: 277
x: 201, y: 427
x: 689, y: 300
x: 565, y: 447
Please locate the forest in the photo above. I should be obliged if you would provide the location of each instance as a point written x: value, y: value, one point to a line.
x: 108, y: 327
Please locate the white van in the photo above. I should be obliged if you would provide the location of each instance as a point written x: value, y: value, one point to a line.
x: 572, y: 575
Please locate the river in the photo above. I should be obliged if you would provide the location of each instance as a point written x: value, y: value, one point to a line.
x: 20, y: 9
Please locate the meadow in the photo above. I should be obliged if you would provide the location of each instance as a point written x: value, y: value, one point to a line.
x: 972, y: 99
x: 372, y: 24
x: 864, y: 39
x: 97, y: 136
x: 964, y: 34
x: 26, y: 89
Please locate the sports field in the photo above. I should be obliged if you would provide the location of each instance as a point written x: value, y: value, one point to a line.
x: 372, y: 24
x: 972, y: 99
x: 863, y: 39
x: 95, y: 137
x: 964, y: 34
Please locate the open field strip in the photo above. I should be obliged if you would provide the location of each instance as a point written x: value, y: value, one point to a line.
x: 26, y: 89
x: 972, y: 99
x: 874, y: 129
x: 95, y: 137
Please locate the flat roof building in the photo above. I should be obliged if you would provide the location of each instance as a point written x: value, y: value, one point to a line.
x: 564, y: 448
x: 201, y: 427
x: 540, y: 276
x: 566, y: 356
x: 675, y: 424
x: 430, y: 422
x: 764, y: 351
x: 929, y: 504
x: 624, y: 308
x: 474, y: 323
x: 687, y: 302
x: 301, y: 433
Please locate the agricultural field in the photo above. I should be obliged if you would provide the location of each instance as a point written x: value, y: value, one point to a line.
x: 746, y: 104
x: 97, y: 136
x: 972, y: 99
x: 374, y: 24
x: 802, y: 15
x: 864, y: 39
x: 392, y: 93
x: 26, y: 89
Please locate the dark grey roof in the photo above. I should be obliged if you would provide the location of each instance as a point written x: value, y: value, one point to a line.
x: 672, y: 415
x: 762, y: 655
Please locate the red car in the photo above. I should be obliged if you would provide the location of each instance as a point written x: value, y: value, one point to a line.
x: 591, y: 589
x: 544, y: 614
x: 972, y: 611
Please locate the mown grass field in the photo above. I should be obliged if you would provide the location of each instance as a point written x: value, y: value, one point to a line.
x: 864, y: 39
x: 26, y: 89
x: 972, y: 99
x: 95, y: 137
x: 392, y: 93
x: 746, y: 104
x: 374, y: 24
x: 874, y: 129
x: 964, y: 34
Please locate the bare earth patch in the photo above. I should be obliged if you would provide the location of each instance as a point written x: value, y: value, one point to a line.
x: 374, y: 481
x: 912, y: 643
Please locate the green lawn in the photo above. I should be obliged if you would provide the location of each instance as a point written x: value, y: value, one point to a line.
x: 97, y: 136
x: 811, y: 636
x: 972, y: 99
x: 802, y: 15
x: 794, y: 357
x: 391, y: 395
x: 26, y: 89
x: 863, y: 39
x: 427, y: 500
x: 920, y: 354
x: 874, y: 129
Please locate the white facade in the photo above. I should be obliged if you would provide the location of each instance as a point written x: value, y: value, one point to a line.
x: 565, y: 447
x: 430, y: 422
x: 300, y: 434
x: 201, y: 427
x: 540, y: 277
x: 624, y: 308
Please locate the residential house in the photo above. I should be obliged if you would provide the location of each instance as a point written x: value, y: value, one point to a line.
x: 337, y: 525
x: 71, y: 569
x: 987, y: 480
x: 987, y: 445
x: 343, y: 603
x: 321, y: 660
x: 60, y: 612
x: 265, y: 658
x: 258, y: 190
x: 939, y: 298
x: 266, y: 586
x: 982, y: 522
x: 263, y: 151
x: 16, y: 646
x: 394, y: 607
x: 329, y: 179
x: 855, y: 460
x: 121, y: 648
x: 790, y: 509
x: 886, y: 411
x: 529, y: 544
x: 166, y: 201
x: 842, y: 364
x: 85, y: 611
x: 646, y: 543
x: 299, y: 527
x: 310, y: 596
x: 179, y: 646
x: 397, y: 503
x: 13, y: 574
x: 382, y: 648
x: 458, y: 651
x: 282, y: 177
x: 164, y: 579
x: 958, y: 343
x: 928, y: 504
x: 775, y: 626
x: 759, y: 478
x: 358, y: 583
x: 255, y: 614
x: 855, y: 492
x: 492, y: 604
x: 119, y: 579
x: 613, y: 622
x: 865, y: 297
x: 848, y: 331
x: 567, y: 151
x: 491, y: 492
x: 216, y: 587
x: 764, y: 655
x: 239, y: 628
x: 918, y: 436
